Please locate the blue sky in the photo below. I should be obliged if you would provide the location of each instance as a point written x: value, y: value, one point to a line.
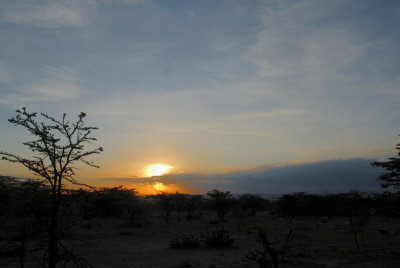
x: 207, y: 86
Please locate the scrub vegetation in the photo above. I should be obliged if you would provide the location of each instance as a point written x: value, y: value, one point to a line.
x: 109, y: 227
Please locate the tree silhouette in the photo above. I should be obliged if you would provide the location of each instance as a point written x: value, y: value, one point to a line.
x: 220, y: 202
x: 252, y: 203
x: 392, y: 177
x: 165, y: 199
x: 58, y: 145
x: 192, y: 203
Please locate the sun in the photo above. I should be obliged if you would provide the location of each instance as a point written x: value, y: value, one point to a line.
x: 154, y: 170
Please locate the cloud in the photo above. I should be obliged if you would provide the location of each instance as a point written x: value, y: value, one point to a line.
x: 49, y: 13
x: 60, y: 83
x: 54, y: 83
x: 317, y: 177
x: 135, y: 1
x: 277, y: 114
x: 387, y: 151
x: 289, y: 42
x: 4, y: 73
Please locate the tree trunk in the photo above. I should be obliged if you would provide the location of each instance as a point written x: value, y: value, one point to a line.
x: 22, y: 254
x: 54, y: 235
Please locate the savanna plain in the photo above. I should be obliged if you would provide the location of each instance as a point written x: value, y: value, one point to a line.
x: 115, y: 227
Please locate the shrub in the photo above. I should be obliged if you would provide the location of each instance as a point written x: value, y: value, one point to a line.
x: 219, y: 238
x: 252, y: 203
x: 220, y: 202
x: 270, y: 255
x: 185, y: 242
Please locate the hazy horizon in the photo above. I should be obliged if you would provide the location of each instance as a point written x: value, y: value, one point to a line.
x: 322, y: 177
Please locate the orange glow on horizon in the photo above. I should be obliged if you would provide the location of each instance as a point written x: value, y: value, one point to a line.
x: 159, y: 186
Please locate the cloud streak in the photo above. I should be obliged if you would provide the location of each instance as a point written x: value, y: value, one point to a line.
x: 48, y: 13
x: 59, y: 83
x: 290, y: 42
x: 53, y: 84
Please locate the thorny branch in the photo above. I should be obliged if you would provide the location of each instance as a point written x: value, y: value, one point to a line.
x: 58, y: 144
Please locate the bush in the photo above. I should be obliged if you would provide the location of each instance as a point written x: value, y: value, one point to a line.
x: 270, y: 256
x: 220, y: 202
x: 252, y: 203
x: 185, y: 242
x: 219, y: 238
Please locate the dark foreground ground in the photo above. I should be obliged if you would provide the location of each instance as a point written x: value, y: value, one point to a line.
x: 316, y: 242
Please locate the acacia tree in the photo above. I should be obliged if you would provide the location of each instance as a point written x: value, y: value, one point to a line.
x: 392, y: 177
x: 58, y: 144
x: 165, y: 199
x: 220, y: 202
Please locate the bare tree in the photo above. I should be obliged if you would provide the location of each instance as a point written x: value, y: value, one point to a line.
x: 58, y: 144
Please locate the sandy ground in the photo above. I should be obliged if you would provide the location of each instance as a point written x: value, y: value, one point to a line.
x: 317, y: 242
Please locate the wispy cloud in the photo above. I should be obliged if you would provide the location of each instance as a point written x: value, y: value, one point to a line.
x: 54, y: 84
x: 49, y: 13
x: 277, y: 114
x: 4, y: 73
x: 60, y: 83
x: 135, y: 1
x: 289, y: 42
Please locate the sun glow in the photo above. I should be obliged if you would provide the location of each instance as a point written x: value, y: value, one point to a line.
x: 159, y: 186
x: 154, y: 170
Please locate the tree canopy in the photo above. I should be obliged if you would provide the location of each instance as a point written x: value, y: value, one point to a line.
x: 391, y: 178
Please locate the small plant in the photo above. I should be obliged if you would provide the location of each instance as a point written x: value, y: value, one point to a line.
x: 270, y: 256
x: 358, y: 212
x: 185, y: 242
x: 219, y: 238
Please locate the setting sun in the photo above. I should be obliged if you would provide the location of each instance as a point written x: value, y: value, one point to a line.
x: 156, y: 170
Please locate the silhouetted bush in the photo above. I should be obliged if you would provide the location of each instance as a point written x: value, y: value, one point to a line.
x: 358, y: 212
x: 270, y: 255
x: 185, y: 242
x: 220, y: 202
x: 178, y: 203
x: 25, y: 221
x: 219, y: 238
x: 303, y: 204
x: 287, y: 206
x: 83, y: 201
x: 166, y: 201
x: 386, y: 204
x: 192, y: 203
x: 136, y: 215
x: 115, y: 201
x: 251, y: 203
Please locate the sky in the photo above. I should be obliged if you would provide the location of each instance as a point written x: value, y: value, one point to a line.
x: 209, y: 88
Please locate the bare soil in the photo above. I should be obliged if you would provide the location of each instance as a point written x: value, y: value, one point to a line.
x: 317, y: 242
